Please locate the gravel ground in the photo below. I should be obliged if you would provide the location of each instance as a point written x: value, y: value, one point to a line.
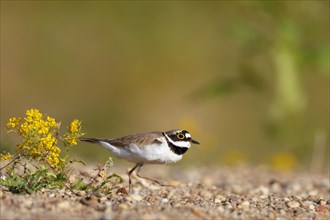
x: 196, y: 193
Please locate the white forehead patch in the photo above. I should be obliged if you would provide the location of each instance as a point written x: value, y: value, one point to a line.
x: 188, y: 135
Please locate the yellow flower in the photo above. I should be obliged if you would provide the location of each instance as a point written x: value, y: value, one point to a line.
x: 13, y: 123
x: 71, y: 140
x: 54, y: 159
x: 74, y: 126
x: 33, y: 115
x: 39, y: 138
x: 51, y: 122
x: 5, y: 156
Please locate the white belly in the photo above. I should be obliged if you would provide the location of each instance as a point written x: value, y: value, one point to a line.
x: 152, y: 154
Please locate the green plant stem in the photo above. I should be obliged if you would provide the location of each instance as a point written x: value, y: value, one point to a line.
x: 10, y: 162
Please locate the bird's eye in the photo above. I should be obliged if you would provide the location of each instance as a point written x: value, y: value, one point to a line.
x: 180, y: 136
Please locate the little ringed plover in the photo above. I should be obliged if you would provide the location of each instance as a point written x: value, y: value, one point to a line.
x: 148, y: 148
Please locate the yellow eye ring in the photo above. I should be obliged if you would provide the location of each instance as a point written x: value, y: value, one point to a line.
x: 180, y: 136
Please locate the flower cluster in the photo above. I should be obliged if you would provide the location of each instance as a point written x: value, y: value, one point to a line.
x: 73, y: 132
x: 40, y: 138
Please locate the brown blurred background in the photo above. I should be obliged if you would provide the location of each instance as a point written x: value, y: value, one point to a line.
x: 248, y: 79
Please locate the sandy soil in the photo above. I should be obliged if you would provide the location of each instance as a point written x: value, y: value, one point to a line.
x: 196, y: 193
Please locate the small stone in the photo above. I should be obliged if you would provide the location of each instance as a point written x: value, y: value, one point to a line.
x: 220, y: 197
x: 80, y: 193
x: 174, y: 183
x: 205, y: 195
x: 282, y: 212
x: 122, y: 191
x: 28, y: 203
x: 276, y: 187
x: 98, y: 194
x: 296, y: 187
x: 306, y: 204
x: 134, y: 197
x: 164, y: 200
x: 321, y: 208
x: 311, y: 207
x: 244, y: 205
x: 263, y: 190
x: 217, y: 201
x: 52, y: 195
x: 228, y: 205
x: 103, y: 199
x: 122, y: 206
x: 63, y: 205
x: 322, y: 202
x: 255, y: 199
x: 293, y: 204
x: 151, y: 199
x: 90, y: 201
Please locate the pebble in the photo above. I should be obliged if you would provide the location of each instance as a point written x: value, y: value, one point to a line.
x: 306, y: 204
x: 321, y: 208
x: 90, y: 201
x: 134, y: 197
x: 228, y: 205
x: 311, y: 207
x: 98, y: 194
x: 244, y: 205
x: 151, y: 199
x: 322, y: 202
x: 28, y: 203
x: 205, y: 194
x: 217, y: 200
x: 80, y: 193
x: 164, y: 200
x: 276, y: 187
x: 122, y: 206
x: 263, y: 190
x: 63, y: 205
x: 52, y: 195
x: 293, y: 204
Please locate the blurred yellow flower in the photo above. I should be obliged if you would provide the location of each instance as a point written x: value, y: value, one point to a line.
x: 284, y: 161
x: 5, y: 156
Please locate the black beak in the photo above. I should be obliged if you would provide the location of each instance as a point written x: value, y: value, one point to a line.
x: 194, y: 142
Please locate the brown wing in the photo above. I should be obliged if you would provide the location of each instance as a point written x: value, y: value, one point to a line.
x: 138, y: 139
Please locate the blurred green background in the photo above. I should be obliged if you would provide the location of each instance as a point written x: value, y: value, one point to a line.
x: 248, y: 79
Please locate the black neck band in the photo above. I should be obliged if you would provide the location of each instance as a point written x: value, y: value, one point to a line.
x: 177, y: 150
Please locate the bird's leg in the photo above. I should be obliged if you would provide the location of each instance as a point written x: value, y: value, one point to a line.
x: 138, y: 165
x: 147, y: 178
